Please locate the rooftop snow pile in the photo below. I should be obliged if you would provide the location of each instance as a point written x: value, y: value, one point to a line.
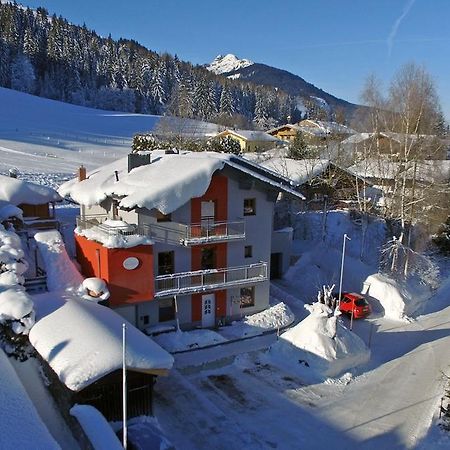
x: 110, y: 234
x: 16, y: 191
x: 61, y: 272
x: 320, y: 343
x: 165, y: 184
x: 81, y: 358
x: 16, y: 305
x: 20, y: 424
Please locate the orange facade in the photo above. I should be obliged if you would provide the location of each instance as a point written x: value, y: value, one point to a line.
x: 126, y: 286
x: 218, y: 193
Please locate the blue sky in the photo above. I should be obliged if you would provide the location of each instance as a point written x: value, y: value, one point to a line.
x: 333, y: 44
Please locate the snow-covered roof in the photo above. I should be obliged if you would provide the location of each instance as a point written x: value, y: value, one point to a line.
x: 426, y: 171
x: 16, y: 191
x: 300, y: 171
x: 166, y: 184
x: 399, y: 138
x: 20, y: 424
x: 286, y: 125
x: 250, y: 135
x: 325, y: 127
x: 82, y: 342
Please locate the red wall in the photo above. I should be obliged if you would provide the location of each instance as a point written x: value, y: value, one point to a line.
x: 125, y: 286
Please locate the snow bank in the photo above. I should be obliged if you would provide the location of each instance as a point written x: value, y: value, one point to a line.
x: 61, y: 272
x: 398, y: 299
x: 97, y: 429
x: 20, y: 425
x: 277, y: 316
x: 16, y: 191
x: 187, y: 340
x: 80, y: 358
x: 321, y: 344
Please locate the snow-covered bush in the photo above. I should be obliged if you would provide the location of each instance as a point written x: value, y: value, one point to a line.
x: 94, y: 290
x: 225, y: 144
x: 16, y: 306
x: 320, y: 344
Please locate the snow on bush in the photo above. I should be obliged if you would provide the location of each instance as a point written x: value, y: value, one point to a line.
x: 16, y: 306
x: 320, y: 344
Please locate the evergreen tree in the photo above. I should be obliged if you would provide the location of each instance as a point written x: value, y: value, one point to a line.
x: 298, y: 148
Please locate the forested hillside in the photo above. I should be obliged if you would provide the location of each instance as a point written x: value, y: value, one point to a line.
x: 47, y: 56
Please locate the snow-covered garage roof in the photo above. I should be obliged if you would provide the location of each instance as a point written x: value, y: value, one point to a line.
x: 20, y: 424
x: 167, y: 183
x: 16, y: 191
x: 82, y: 342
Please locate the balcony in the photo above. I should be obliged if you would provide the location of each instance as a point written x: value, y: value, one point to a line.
x: 209, y: 280
x: 196, y: 234
x: 167, y: 232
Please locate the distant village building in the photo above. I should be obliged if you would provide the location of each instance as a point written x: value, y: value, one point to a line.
x: 180, y: 237
x: 314, y: 131
x: 252, y: 141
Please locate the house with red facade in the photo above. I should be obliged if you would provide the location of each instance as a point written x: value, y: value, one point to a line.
x: 179, y: 236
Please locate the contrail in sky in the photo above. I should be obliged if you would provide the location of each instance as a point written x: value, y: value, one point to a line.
x: 395, y: 27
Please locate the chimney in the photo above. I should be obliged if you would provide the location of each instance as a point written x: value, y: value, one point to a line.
x: 12, y: 173
x: 138, y: 160
x: 81, y: 173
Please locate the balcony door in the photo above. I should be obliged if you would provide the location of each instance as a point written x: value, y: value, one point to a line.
x: 209, y: 258
x: 208, y: 214
x: 208, y: 310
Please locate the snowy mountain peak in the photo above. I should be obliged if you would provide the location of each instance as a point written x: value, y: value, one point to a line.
x: 227, y: 63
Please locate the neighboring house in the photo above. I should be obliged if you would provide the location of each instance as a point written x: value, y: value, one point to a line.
x: 392, y: 145
x: 182, y: 236
x: 35, y: 201
x: 314, y: 131
x: 81, y: 342
x: 252, y: 141
x: 323, y: 183
x: 422, y: 179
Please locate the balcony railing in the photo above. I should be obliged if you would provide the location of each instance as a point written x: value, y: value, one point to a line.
x: 168, y: 232
x: 209, y: 280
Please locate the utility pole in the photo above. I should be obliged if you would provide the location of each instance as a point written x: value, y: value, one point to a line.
x: 342, y: 268
x: 124, y: 387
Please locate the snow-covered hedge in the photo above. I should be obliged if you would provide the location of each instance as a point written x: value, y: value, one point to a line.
x: 16, y: 306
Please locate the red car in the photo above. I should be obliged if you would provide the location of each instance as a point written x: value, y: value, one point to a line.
x: 356, y: 303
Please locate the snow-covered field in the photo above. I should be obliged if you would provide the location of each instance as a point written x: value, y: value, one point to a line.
x: 52, y: 139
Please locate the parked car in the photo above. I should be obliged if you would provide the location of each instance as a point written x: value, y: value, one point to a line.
x: 357, y: 303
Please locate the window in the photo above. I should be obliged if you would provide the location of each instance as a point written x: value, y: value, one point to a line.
x: 248, y: 251
x: 247, y: 297
x: 166, y: 309
x: 166, y: 263
x: 146, y: 320
x: 160, y: 217
x: 208, y: 258
x: 249, y: 207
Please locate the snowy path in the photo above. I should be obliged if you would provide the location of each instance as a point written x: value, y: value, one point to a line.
x: 254, y: 405
x: 392, y: 406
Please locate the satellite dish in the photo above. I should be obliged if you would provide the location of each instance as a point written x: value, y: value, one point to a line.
x: 130, y: 263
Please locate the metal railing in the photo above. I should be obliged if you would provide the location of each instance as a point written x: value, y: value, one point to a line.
x: 207, y: 280
x: 169, y: 232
